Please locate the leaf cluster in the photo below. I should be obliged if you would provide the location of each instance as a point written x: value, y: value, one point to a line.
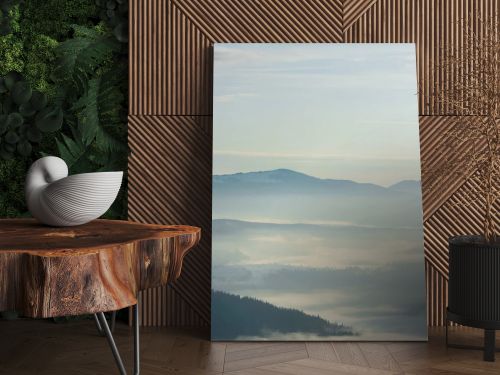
x: 24, y: 116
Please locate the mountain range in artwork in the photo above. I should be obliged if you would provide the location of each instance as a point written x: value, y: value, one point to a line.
x: 309, y: 248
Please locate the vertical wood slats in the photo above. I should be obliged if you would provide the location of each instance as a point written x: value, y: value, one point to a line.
x: 437, y: 295
x: 170, y: 61
x: 171, y: 100
x: 155, y: 312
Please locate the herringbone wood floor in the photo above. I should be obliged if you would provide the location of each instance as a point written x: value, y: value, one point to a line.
x: 42, y: 347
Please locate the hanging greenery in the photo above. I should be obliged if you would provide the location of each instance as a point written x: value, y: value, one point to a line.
x: 63, y: 90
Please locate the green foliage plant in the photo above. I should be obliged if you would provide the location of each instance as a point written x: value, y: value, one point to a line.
x: 24, y: 116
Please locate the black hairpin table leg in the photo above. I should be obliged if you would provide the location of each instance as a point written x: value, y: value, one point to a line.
x: 113, y: 323
x: 102, y: 324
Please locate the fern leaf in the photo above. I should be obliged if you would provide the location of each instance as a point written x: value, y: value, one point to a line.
x: 80, y: 56
x: 72, y: 152
x: 98, y: 114
x: 88, y: 111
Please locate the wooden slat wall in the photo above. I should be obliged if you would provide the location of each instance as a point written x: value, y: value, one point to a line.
x: 170, y: 122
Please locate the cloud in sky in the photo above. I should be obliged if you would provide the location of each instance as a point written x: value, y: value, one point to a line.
x: 304, y: 103
x: 327, y: 244
x: 285, y: 155
x: 231, y: 97
x: 253, y: 54
x: 342, y: 66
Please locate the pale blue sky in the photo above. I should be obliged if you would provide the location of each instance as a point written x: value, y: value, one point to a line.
x: 342, y: 111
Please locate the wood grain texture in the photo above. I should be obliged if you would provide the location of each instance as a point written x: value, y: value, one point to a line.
x: 352, y: 10
x: 99, y: 266
x: 171, y: 97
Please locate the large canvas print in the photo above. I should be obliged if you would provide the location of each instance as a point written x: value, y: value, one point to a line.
x: 317, y: 219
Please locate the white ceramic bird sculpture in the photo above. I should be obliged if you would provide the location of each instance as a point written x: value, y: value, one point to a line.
x: 56, y: 199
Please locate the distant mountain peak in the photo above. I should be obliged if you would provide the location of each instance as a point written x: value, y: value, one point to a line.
x: 281, y: 175
x: 271, y: 172
x: 405, y: 185
x: 290, y: 178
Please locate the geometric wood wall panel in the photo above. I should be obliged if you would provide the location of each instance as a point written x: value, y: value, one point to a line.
x: 147, y: 57
x: 353, y: 10
x: 170, y: 109
x: 170, y: 62
x: 451, y: 219
x: 432, y: 151
x: 264, y: 21
x: 171, y: 165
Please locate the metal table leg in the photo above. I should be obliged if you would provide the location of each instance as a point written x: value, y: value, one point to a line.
x: 103, y: 325
x: 113, y: 324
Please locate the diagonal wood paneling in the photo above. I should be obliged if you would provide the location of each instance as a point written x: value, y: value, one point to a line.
x: 453, y: 218
x: 432, y: 151
x: 353, y: 9
x: 171, y: 165
x: 263, y: 21
x: 171, y: 104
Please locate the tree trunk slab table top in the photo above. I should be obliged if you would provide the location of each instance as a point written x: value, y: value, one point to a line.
x: 96, y: 267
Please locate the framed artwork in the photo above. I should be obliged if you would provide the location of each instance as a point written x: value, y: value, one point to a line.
x: 316, y: 216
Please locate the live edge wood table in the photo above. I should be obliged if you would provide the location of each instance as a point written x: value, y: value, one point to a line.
x: 89, y: 269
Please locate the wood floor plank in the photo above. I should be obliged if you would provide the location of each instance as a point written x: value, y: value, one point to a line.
x: 322, y: 350
x: 276, y: 348
x: 158, y: 348
x: 212, y: 356
x: 265, y: 359
x: 350, y: 353
x: 413, y: 357
x: 395, y: 347
x: 378, y: 356
x: 252, y: 371
x: 244, y: 345
x: 319, y: 367
x: 194, y: 354
x: 476, y: 366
